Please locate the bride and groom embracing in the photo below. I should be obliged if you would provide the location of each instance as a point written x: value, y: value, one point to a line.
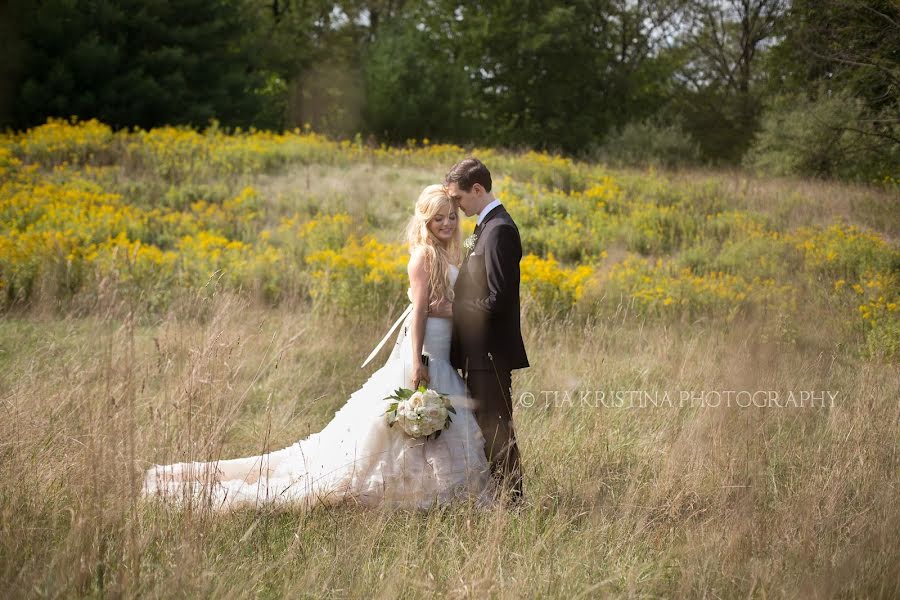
x: 461, y: 337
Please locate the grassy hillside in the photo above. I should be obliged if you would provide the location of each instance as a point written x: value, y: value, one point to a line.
x: 175, y: 295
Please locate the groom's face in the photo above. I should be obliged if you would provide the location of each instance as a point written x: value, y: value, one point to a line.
x: 469, y: 202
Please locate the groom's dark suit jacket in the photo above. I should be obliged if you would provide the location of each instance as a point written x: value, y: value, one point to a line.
x: 486, y: 303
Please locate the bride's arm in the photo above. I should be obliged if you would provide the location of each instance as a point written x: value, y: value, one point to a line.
x: 418, y: 282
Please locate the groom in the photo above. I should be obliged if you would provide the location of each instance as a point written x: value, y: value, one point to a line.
x: 487, y: 339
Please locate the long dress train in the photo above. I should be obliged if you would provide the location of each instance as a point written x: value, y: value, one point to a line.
x: 356, y: 457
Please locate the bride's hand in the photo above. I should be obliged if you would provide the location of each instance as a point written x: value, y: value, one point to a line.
x: 420, y: 376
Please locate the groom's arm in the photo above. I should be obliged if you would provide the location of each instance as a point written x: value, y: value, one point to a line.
x: 501, y: 263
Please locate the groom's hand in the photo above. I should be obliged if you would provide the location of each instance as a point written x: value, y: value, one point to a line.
x: 442, y: 310
x: 420, y: 376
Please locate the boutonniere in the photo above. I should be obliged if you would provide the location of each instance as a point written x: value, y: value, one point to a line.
x: 469, y: 243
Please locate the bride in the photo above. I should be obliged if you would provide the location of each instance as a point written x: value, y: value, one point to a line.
x: 357, y: 458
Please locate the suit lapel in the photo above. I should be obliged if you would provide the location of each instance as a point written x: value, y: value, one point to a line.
x: 479, y: 228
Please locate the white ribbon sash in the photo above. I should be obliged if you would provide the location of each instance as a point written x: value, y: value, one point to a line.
x: 387, y: 336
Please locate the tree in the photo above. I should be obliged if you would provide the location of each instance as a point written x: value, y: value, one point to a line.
x: 723, y: 73
x: 415, y: 85
x: 557, y: 75
x: 135, y: 62
x: 847, y: 45
x: 835, y: 84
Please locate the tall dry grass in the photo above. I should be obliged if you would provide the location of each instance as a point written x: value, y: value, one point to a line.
x: 628, y: 501
x: 623, y: 501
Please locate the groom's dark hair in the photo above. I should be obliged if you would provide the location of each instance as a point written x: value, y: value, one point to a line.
x: 467, y: 173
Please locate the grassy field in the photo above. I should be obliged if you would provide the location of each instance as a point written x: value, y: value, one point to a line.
x: 173, y: 295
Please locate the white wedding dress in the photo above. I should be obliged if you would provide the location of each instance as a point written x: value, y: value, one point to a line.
x: 356, y: 458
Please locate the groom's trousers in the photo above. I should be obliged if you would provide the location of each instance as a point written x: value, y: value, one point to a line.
x: 492, y: 392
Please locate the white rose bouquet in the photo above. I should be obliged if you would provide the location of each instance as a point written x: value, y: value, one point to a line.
x: 420, y: 413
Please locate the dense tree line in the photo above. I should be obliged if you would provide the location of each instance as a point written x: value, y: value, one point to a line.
x: 793, y: 86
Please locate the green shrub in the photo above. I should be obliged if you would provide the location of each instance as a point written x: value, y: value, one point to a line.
x: 650, y: 143
x: 830, y: 136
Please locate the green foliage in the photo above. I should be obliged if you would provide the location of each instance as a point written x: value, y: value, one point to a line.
x: 558, y: 75
x: 654, y: 229
x: 883, y: 340
x: 652, y: 83
x: 850, y: 46
x: 829, y: 136
x: 415, y: 87
x: 134, y: 63
x: 834, y: 91
x: 650, y: 143
x: 166, y: 221
x: 720, y: 80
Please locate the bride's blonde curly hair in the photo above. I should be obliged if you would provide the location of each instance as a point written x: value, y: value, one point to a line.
x: 438, y: 257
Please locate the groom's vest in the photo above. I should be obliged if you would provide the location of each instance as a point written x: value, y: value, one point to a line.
x: 486, y: 325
